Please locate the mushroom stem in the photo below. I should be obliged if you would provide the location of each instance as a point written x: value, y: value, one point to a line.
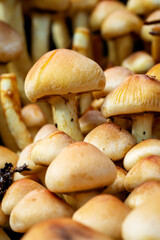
x: 65, y: 115
x: 120, y: 48
x: 142, y: 126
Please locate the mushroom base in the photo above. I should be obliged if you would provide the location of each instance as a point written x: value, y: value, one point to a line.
x: 142, y: 126
x: 65, y: 115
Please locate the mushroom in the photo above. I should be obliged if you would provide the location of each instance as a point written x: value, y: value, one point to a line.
x: 141, y: 150
x: 142, y: 7
x: 60, y: 228
x: 112, y: 140
x: 139, y: 62
x: 51, y: 78
x: 3, y: 217
x: 142, y: 193
x: 32, y: 208
x: 7, y: 156
x: 145, y: 170
x: 103, y: 213
x: 136, y: 97
x: 44, y: 131
x: 79, y: 167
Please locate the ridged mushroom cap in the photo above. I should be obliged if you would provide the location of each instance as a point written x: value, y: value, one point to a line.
x: 112, y: 140
x: 141, y: 150
x: 78, y: 167
x: 61, y: 72
x: 151, y: 21
x: 119, y: 23
x: 101, y: 11
x: 137, y: 94
x: 104, y: 213
x: 142, y: 193
x: 10, y: 43
x: 143, y: 222
x: 139, y: 62
x: 61, y: 229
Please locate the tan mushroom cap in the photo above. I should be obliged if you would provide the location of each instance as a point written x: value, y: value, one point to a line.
x: 103, y: 213
x: 3, y: 217
x: 114, y: 76
x: 61, y: 229
x: 120, y: 22
x: 53, y: 5
x: 137, y: 94
x: 82, y: 5
x: 25, y: 158
x: 152, y: 20
x: 10, y: 43
x: 90, y: 120
x: 101, y: 11
x: 141, y: 150
x: 142, y: 7
x: 7, y: 156
x: 142, y: 193
x: 44, y: 131
x: 63, y: 71
x: 155, y: 71
x: 112, y: 140
x: 139, y: 62
x: 17, y: 191
x: 33, y: 115
x: 78, y: 167
x: 118, y: 185
x: 145, y: 170
x: 3, y: 235
x: 143, y: 222
x: 45, y: 150
x: 36, y: 206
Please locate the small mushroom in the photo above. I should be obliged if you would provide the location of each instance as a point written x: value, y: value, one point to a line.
x: 44, y: 131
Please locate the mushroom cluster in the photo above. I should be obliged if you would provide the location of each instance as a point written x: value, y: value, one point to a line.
x: 79, y: 119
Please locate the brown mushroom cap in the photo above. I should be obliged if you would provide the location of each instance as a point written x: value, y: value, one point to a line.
x: 78, y: 167
x: 103, y: 213
x: 112, y: 140
x: 119, y: 23
x: 53, y: 5
x: 82, y: 5
x: 10, y: 43
x: 137, y: 94
x: 139, y: 62
x: 61, y: 72
x: 61, y: 229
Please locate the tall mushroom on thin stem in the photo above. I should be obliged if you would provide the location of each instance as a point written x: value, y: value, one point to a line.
x: 138, y: 98
x: 57, y: 76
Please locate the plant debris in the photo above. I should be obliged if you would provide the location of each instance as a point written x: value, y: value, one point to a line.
x: 6, y: 176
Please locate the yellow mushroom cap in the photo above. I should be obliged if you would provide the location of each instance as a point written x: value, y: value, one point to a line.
x: 155, y: 71
x: 142, y: 7
x: 137, y: 94
x: 63, y: 71
x: 7, y: 156
x: 78, y: 167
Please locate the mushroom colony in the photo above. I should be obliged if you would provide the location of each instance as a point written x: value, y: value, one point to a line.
x: 80, y: 120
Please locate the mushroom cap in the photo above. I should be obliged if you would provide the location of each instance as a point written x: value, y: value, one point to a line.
x: 142, y: 193
x: 114, y: 76
x: 17, y: 191
x: 142, y: 7
x: 63, y: 71
x: 151, y: 21
x: 7, y: 156
x: 141, y: 150
x: 145, y: 170
x: 154, y: 71
x: 78, y: 167
x: 139, y: 62
x: 33, y: 116
x: 103, y: 213
x: 10, y: 43
x: 112, y: 140
x: 101, y: 11
x: 45, y: 150
x: 137, y: 94
x: 32, y: 208
x: 143, y: 222
x: 61, y: 229
x: 44, y: 131
x: 53, y: 5
x: 3, y: 217
x: 120, y: 22
x: 82, y: 5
